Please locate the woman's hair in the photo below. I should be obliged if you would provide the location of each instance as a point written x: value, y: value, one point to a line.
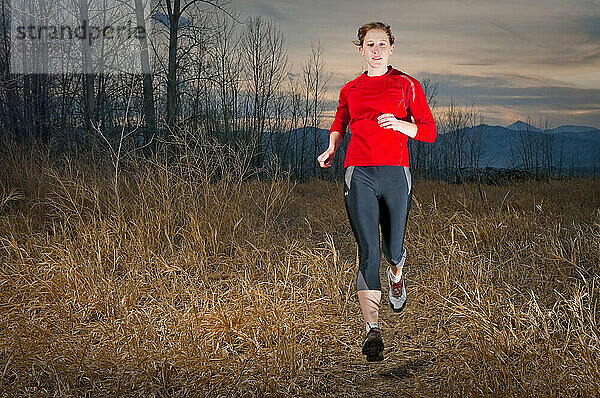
x: 362, y: 31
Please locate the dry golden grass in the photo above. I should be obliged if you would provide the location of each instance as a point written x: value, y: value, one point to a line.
x: 178, y: 283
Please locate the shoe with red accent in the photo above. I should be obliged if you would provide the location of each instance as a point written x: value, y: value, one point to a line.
x: 397, y: 292
x: 373, y: 345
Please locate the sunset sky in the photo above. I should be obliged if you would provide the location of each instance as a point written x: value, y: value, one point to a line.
x: 512, y: 58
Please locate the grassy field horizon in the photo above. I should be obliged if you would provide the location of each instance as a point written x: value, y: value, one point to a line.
x: 181, y: 278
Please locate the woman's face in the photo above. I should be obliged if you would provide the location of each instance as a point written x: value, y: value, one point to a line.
x: 376, y: 49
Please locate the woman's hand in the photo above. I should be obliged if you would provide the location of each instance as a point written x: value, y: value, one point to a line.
x: 335, y: 138
x: 326, y: 157
x: 389, y: 121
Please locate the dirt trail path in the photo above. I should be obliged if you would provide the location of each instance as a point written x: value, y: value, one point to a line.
x: 409, y: 353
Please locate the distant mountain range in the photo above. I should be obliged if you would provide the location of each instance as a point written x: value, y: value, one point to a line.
x: 572, y: 147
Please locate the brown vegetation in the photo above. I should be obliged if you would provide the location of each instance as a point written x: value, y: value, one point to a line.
x: 164, y: 280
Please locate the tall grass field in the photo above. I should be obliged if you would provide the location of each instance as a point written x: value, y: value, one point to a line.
x: 125, y: 276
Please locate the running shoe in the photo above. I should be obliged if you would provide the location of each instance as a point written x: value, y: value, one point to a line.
x: 397, y: 292
x: 373, y: 345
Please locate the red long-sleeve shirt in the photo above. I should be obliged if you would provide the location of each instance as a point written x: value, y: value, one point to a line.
x: 364, y: 99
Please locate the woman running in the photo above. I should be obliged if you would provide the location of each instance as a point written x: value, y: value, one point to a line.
x: 383, y: 107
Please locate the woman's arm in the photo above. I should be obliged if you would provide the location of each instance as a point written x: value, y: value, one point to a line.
x: 424, y: 128
x: 389, y: 121
x: 335, y: 139
x: 338, y: 129
x: 420, y: 111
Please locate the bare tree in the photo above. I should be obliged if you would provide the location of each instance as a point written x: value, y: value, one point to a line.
x: 547, y: 148
x: 322, y: 78
x: 175, y: 23
x: 265, y: 61
x: 476, y: 145
x: 452, y: 124
x: 225, y: 58
x: 8, y: 82
x: 294, y: 140
x: 423, y: 155
x: 148, y: 90
x: 431, y: 90
x: 315, y: 80
x: 535, y: 147
x: 89, y: 95
x: 459, y: 143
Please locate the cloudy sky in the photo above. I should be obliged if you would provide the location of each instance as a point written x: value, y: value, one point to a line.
x: 512, y: 58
